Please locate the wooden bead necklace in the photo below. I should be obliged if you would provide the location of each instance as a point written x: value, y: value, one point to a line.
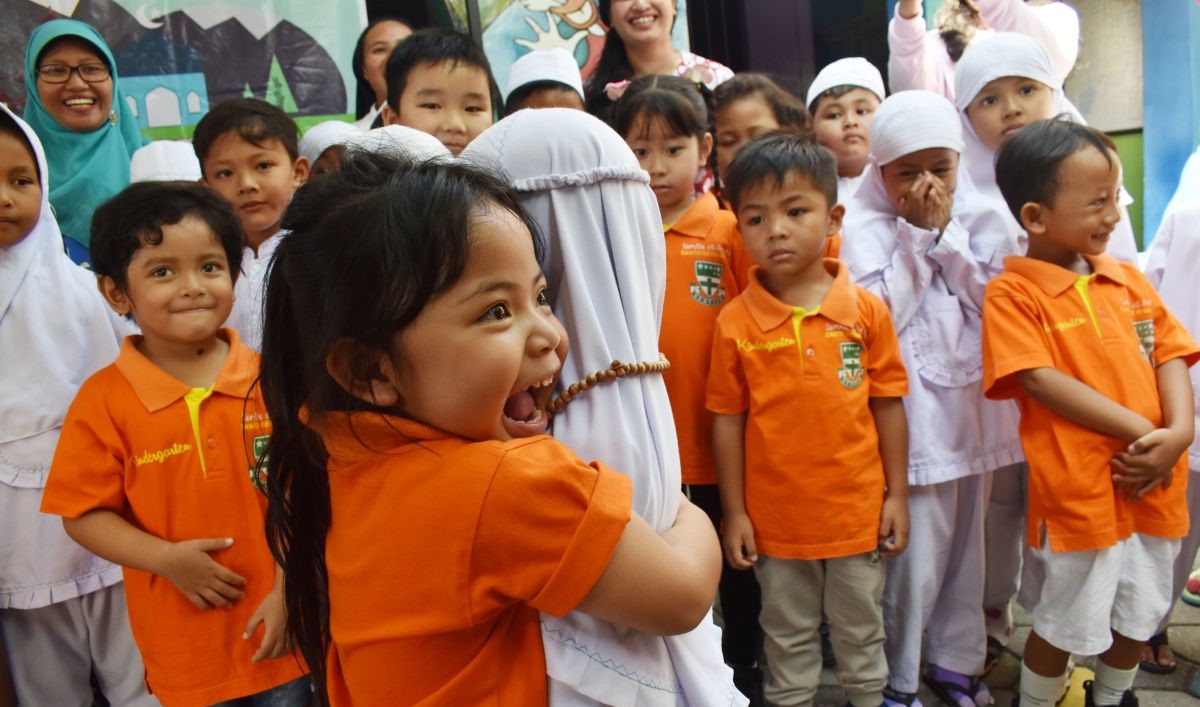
x: 617, y: 370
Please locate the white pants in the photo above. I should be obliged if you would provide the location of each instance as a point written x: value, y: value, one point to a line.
x: 1189, y: 545
x: 1079, y: 598
x: 1005, y: 548
x: 53, y: 650
x: 936, y: 585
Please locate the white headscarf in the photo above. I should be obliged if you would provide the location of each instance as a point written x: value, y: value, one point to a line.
x: 399, y: 141
x: 164, y: 161
x: 323, y: 136
x: 851, y: 71
x: 904, y: 123
x: 606, y: 266
x: 979, y: 205
x: 55, y: 328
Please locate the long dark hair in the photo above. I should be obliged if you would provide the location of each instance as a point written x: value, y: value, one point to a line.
x: 364, y: 95
x: 682, y: 106
x: 369, y: 246
x: 613, y: 66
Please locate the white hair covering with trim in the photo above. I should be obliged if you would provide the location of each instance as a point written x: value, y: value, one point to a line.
x: 979, y: 205
x: 606, y: 267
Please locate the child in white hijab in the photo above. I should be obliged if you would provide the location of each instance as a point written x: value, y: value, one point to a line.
x: 399, y: 140
x: 901, y: 243
x: 606, y: 269
x: 62, y: 609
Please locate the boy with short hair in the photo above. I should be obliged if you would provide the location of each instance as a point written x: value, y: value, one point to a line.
x: 802, y: 349
x: 156, y: 467
x: 249, y: 154
x: 544, y: 79
x: 439, y: 81
x: 1099, y: 369
x: 842, y: 99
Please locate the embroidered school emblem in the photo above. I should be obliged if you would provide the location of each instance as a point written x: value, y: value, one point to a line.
x: 258, y: 463
x: 707, y: 288
x: 1145, y: 333
x: 851, y: 372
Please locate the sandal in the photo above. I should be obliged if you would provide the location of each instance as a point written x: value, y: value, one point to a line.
x: 894, y: 698
x: 1156, y: 643
x: 956, y: 689
x: 995, y: 651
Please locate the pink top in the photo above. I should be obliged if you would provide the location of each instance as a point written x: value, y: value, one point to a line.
x: 918, y: 57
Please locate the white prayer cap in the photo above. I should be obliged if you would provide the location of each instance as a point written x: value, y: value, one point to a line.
x: 998, y: 55
x: 851, y: 71
x: 911, y: 121
x: 401, y: 141
x: 323, y: 136
x: 164, y: 161
x: 547, y: 65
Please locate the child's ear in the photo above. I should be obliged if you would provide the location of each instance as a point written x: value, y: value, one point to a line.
x: 369, y: 376
x: 389, y: 116
x: 706, y: 148
x: 300, y: 170
x: 835, y: 219
x: 116, y: 297
x: 1032, y: 215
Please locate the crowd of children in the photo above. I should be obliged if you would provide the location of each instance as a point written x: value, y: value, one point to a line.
x: 402, y: 413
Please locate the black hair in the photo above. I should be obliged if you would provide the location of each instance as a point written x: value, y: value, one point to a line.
x: 136, y: 215
x: 1028, y: 163
x: 369, y: 245
x: 789, y: 111
x: 516, y: 99
x: 957, y: 23
x: 364, y: 95
x: 612, y: 67
x: 837, y: 92
x: 773, y: 157
x: 679, y: 103
x: 9, y: 126
x: 251, y: 119
x: 434, y: 45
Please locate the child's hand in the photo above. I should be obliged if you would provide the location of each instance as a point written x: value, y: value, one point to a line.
x: 737, y: 539
x: 927, y: 204
x: 272, y: 614
x: 893, y: 526
x: 203, y: 580
x: 1147, y: 462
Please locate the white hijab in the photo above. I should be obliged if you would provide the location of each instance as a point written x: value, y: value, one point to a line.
x: 399, y: 141
x: 906, y: 122
x: 55, y: 328
x: 606, y: 266
x: 979, y: 205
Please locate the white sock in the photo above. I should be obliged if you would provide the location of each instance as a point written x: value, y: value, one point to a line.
x: 1110, y: 683
x: 1038, y: 690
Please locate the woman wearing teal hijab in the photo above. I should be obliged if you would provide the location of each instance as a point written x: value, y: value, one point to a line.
x: 75, y: 106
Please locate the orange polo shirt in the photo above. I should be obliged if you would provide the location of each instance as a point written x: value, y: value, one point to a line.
x: 441, y: 551
x: 833, y: 246
x: 129, y: 445
x: 704, y: 257
x: 1110, y: 331
x: 814, y: 481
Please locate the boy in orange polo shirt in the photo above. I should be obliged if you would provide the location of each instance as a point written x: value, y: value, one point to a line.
x: 156, y: 466
x: 809, y: 434
x: 1099, y: 369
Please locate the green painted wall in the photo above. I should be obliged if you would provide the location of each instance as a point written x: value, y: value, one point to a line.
x: 1129, y: 145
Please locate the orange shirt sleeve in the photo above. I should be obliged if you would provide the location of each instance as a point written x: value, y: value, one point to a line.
x: 1013, y: 341
x: 1171, y: 339
x: 885, y: 366
x: 88, y: 471
x: 727, y: 392
x: 741, y: 260
x: 547, y: 529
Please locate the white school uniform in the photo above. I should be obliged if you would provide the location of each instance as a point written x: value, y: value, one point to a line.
x: 933, y: 284
x: 55, y: 331
x: 1171, y: 264
x: 917, y: 57
x: 606, y: 268
x: 249, y: 293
